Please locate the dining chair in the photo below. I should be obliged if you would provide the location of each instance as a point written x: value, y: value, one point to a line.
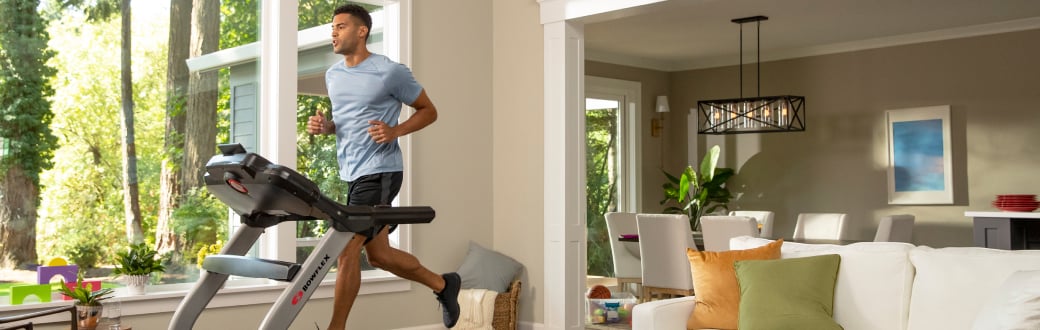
x: 627, y: 267
x: 828, y: 226
x: 764, y: 218
x: 663, y: 240
x: 895, y: 228
x: 718, y: 230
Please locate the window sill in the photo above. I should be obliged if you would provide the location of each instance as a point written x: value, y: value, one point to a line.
x: 242, y: 292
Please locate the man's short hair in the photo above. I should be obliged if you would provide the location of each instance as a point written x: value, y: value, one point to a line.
x: 357, y: 12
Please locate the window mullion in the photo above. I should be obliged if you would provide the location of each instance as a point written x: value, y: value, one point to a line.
x: 278, y: 88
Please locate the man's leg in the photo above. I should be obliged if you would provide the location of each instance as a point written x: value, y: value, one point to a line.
x: 400, y: 263
x: 405, y: 265
x: 348, y: 282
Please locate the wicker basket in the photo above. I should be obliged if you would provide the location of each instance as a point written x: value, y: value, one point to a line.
x: 506, y: 308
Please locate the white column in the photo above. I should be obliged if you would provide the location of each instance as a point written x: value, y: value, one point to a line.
x: 277, y: 134
x: 692, y: 126
x: 564, y: 176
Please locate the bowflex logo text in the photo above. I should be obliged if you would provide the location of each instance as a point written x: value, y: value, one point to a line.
x: 299, y: 294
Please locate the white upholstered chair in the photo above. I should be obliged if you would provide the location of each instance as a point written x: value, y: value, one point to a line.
x: 829, y: 226
x: 718, y: 230
x: 895, y: 228
x: 663, y: 240
x: 764, y: 218
x: 627, y: 267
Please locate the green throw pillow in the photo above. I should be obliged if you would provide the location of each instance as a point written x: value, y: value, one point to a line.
x: 795, y: 293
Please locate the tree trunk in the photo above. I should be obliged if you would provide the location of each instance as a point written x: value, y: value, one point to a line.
x: 176, y: 88
x: 131, y: 204
x: 18, y: 196
x: 200, y: 130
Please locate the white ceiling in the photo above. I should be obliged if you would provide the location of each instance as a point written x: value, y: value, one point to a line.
x: 689, y: 34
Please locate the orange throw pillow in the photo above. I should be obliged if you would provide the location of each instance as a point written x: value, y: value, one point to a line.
x: 715, y: 284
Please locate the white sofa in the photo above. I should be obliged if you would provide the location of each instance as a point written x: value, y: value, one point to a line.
x: 886, y: 285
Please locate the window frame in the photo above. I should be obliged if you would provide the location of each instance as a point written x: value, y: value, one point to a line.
x: 629, y: 193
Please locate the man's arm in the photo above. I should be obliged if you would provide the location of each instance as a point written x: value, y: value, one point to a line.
x: 425, y: 114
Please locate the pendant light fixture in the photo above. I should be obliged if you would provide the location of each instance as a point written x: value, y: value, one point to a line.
x: 759, y: 114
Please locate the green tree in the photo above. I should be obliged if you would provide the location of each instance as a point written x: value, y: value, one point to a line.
x: 171, y: 178
x: 200, y: 121
x: 25, y: 126
x: 101, y: 10
x: 600, y: 187
x: 82, y: 208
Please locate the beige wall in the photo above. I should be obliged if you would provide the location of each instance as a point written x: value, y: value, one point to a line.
x: 517, y: 152
x: 838, y: 163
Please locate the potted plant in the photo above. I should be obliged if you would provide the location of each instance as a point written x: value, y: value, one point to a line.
x: 696, y: 195
x: 137, y: 263
x: 88, y: 303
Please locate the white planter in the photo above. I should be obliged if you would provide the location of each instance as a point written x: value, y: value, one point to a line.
x: 135, y: 284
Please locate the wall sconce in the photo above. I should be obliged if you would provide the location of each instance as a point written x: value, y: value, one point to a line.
x: 657, y: 124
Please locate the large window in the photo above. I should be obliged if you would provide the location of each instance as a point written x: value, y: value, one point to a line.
x: 177, y: 122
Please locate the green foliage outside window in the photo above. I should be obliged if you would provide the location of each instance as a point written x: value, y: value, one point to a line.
x: 601, y: 186
x: 81, y: 213
x: 201, y: 218
x: 81, y: 208
x: 25, y: 88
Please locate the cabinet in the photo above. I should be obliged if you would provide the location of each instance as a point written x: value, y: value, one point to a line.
x: 1006, y: 230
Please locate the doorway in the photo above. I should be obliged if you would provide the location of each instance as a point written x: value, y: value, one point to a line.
x: 611, y: 107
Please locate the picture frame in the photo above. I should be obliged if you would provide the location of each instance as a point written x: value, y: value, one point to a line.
x: 919, y: 156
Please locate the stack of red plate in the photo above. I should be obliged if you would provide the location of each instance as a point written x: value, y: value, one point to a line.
x: 1016, y: 203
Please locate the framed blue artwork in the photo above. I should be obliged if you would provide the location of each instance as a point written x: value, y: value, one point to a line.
x: 919, y: 160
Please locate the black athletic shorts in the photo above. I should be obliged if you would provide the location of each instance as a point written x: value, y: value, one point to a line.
x: 373, y: 190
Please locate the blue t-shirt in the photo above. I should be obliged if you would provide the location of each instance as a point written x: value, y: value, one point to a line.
x: 372, y: 90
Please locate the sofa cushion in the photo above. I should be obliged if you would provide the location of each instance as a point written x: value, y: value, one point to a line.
x: 487, y: 269
x: 952, y: 284
x: 874, y: 280
x: 1016, y: 305
x: 795, y: 293
x: 715, y: 282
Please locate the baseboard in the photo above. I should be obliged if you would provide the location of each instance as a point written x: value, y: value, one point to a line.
x: 520, y: 326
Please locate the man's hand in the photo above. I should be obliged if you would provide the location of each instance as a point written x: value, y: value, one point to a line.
x: 317, y: 124
x: 381, y: 132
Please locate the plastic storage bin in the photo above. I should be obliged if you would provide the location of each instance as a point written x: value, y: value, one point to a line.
x: 617, y: 309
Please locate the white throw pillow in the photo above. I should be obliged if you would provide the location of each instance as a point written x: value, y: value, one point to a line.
x: 1015, y: 306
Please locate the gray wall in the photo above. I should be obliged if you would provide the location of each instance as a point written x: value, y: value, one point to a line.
x: 838, y: 163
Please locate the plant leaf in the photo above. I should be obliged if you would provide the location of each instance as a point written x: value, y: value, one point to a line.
x: 684, y: 184
x: 708, y: 164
